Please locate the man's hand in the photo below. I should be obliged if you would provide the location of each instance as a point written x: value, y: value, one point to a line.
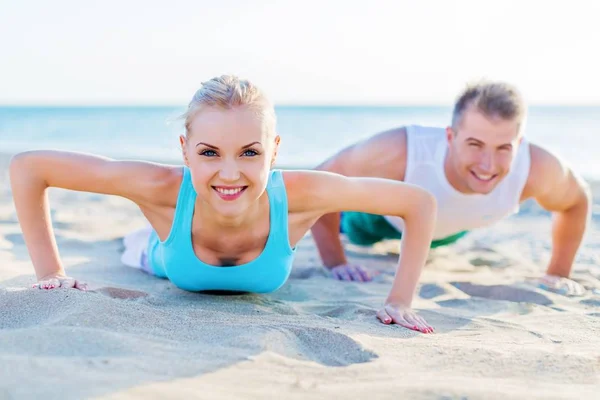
x: 350, y: 272
x: 561, y: 285
x: 558, y: 189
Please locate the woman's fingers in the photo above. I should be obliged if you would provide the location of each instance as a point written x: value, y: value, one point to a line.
x: 416, y: 324
x: 404, y: 317
x: 55, y: 283
x: 49, y: 284
x: 384, y: 317
x: 423, y: 322
x: 81, y: 286
x: 398, y: 318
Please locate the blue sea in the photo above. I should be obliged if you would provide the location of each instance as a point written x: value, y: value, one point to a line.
x: 309, y: 133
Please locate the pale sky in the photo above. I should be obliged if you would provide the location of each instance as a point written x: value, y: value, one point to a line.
x: 299, y: 52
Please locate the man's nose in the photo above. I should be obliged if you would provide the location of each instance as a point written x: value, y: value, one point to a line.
x: 486, y: 162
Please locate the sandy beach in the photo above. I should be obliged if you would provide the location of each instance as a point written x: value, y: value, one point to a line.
x: 498, y: 336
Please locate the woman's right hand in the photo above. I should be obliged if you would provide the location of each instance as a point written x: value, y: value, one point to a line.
x: 59, y: 281
x: 151, y: 186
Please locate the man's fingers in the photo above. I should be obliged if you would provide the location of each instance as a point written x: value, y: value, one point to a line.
x: 333, y: 273
x: 564, y: 286
x: 354, y: 274
x: 552, y: 282
x: 366, y: 277
x: 570, y: 288
x: 575, y: 289
x: 347, y: 272
x: 343, y: 274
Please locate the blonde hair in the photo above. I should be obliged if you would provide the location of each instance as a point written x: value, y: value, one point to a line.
x: 493, y: 99
x: 227, y: 92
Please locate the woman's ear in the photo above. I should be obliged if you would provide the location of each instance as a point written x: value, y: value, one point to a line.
x: 182, y: 143
x: 275, y: 149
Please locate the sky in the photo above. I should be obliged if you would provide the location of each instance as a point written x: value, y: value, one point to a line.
x: 131, y: 52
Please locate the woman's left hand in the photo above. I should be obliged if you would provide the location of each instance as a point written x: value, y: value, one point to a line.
x: 404, y: 316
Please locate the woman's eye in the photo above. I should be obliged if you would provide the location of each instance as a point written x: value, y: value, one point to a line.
x: 250, y: 153
x: 208, y: 153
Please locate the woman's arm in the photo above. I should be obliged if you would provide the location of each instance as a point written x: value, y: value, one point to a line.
x: 323, y: 192
x: 31, y: 173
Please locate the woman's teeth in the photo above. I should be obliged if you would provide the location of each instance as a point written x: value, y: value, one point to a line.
x: 229, y: 192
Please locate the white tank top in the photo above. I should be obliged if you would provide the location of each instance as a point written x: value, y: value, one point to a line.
x: 426, y: 152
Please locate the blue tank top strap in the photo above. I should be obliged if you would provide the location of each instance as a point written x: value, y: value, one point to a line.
x: 184, y: 209
x: 278, y: 210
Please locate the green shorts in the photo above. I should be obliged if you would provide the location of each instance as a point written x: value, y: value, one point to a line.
x: 366, y: 229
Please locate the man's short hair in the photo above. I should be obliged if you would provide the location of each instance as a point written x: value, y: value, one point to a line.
x: 492, y: 99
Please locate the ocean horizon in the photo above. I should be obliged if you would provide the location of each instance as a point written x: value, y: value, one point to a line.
x: 310, y: 133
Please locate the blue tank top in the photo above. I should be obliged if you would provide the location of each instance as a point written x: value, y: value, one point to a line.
x: 175, y: 259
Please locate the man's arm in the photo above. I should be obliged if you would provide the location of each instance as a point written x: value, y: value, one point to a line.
x: 380, y: 156
x: 559, y: 190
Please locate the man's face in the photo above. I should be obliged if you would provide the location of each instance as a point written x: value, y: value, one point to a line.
x: 481, y: 150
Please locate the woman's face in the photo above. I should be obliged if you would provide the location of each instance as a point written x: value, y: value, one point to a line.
x: 229, y: 154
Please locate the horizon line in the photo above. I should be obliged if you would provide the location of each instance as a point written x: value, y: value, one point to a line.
x: 283, y: 104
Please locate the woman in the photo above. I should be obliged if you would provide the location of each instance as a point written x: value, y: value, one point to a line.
x: 225, y: 220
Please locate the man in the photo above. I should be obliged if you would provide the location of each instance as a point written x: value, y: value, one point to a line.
x: 479, y: 169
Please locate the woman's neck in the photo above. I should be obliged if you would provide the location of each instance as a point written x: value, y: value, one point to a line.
x: 215, y: 222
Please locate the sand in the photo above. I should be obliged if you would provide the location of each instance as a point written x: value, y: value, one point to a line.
x: 131, y: 336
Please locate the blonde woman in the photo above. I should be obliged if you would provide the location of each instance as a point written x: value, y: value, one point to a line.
x: 226, y: 220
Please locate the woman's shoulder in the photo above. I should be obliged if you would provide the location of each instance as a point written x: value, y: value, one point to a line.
x: 303, y: 179
x: 162, y: 184
x: 305, y: 188
x: 294, y: 179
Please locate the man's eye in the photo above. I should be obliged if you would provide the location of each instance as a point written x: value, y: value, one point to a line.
x: 474, y: 145
x: 208, y: 153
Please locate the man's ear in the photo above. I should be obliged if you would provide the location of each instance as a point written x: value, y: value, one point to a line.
x: 182, y: 143
x: 450, y: 134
